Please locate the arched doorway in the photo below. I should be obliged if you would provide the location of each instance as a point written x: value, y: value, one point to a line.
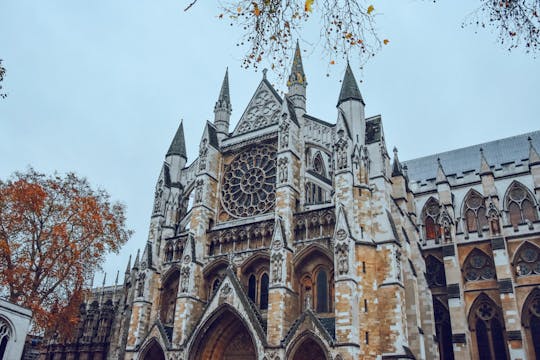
x: 225, y: 337
x: 153, y: 351
x: 308, y: 348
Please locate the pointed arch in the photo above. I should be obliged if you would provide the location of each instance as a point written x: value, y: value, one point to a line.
x: 152, y: 351
x: 530, y: 318
x: 255, y: 278
x: 224, y: 336
x: 474, y: 211
x: 169, y: 291
x: 213, y: 274
x: 6, y: 333
x: 527, y: 259
x: 520, y: 204
x: 430, y: 217
x: 435, y: 274
x: 318, y: 164
x: 478, y: 266
x: 487, y: 324
x: 443, y: 329
x: 308, y: 346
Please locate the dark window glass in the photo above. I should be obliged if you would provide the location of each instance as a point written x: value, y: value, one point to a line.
x: 251, y: 287
x: 322, y: 291
x: 264, y: 292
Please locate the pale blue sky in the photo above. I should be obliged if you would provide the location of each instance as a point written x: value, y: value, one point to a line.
x: 99, y: 87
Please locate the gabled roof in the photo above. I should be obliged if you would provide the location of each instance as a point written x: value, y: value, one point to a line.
x: 514, y: 149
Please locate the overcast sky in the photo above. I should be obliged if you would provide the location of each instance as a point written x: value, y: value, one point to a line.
x: 99, y: 87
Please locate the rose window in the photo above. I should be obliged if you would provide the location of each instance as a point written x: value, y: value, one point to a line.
x: 528, y: 260
x: 249, y: 182
x: 478, y: 266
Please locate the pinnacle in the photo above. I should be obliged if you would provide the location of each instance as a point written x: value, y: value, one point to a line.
x: 297, y: 70
x: 178, y: 145
x: 484, y: 165
x: 534, y: 158
x: 396, y: 166
x: 349, y: 88
x: 224, y: 97
x: 441, y: 176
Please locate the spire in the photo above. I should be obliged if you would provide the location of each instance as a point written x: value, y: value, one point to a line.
x: 349, y: 88
x: 178, y: 145
x: 396, y: 167
x: 534, y: 158
x: 224, y: 99
x: 297, y: 75
x: 441, y: 176
x: 484, y: 166
x: 128, y: 267
x: 136, y: 264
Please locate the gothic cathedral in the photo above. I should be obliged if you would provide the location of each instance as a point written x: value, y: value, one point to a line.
x: 291, y: 237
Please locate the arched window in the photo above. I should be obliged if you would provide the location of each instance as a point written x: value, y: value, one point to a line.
x: 527, y: 260
x: 478, y: 266
x: 5, y: 333
x: 315, y: 194
x: 168, y: 297
x: 252, y: 287
x: 486, y: 321
x: 322, y: 291
x: 430, y: 214
x: 318, y: 165
x: 443, y: 330
x: 475, y: 212
x: 520, y: 205
x: 435, y: 275
x: 263, y: 302
x: 215, y: 285
x: 531, y: 320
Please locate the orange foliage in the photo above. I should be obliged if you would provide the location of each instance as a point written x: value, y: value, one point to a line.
x: 54, y: 233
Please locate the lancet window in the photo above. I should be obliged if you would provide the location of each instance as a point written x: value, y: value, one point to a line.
x: 531, y: 320
x: 317, y: 295
x: 315, y: 194
x: 520, y: 205
x: 258, y: 287
x: 5, y: 333
x: 527, y: 260
x: 475, y: 212
x: 168, y: 297
x: 485, y: 320
x: 443, y: 330
x: 478, y: 266
x: 430, y: 216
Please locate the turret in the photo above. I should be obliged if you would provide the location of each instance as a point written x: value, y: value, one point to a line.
x: 297, y: 82
x: 176, y: 156
x: 352, y: 104
x: 223, y: 109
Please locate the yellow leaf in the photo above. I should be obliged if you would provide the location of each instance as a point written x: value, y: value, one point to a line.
x: 239, y: 9
x: 256, y: 11
x: 370, y: 9
x: 308, y: 5
x: 386, y: 41
x: 332, y: 62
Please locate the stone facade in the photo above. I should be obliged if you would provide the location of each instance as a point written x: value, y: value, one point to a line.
x: 290, y: 237
x: 14, y: 325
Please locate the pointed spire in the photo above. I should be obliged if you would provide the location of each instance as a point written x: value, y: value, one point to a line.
x: 396, y: 167
x: 441, y: 176
x: 349, y: 88
x: 128, y: 267
x: 136, y: 264
x: 297, y: 75
x: 224, y: 99
x: 534, y: 158
x: 178, y: 145
x: 484, y: 166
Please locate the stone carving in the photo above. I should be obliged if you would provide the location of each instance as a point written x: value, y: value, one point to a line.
x: 283, y: 170
x: 342, y: 253
x: 184, y: 284
x: 226, y: 289
x: 158, y: 196
x: 340, y: 148
x: 277, y: 260
x: 341, y: 234
x: 284, y: 133
x: 445, y: 221
x: 187, y: 259
x: 249, y: 182
x: 199, y: 191
x: 203, y: 152
x: 264, y: 111
x: 140, y: 284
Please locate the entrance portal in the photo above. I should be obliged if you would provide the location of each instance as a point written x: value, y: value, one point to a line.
x: 308, y: 349
x: 153, y: 352
x: 227, y: 338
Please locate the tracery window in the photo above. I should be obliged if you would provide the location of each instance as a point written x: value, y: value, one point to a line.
x: 520, y: 205
x: 430, y: 215
x: 5, y: 333
x: 318, y: 165
x: 258, y: 288
x: 531, y: 319
x: 527, y: 260
x: 475, y: 212
x: 478, y: 266
x: 435, y: 275
x: 248, y: 186
x: 443, y: 330
x: 486, y: 321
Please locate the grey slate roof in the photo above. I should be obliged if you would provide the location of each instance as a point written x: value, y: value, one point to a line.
x: 224, y: 99
x: 178, y: 145
x: 349, y: 88
x: 513, y: 149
